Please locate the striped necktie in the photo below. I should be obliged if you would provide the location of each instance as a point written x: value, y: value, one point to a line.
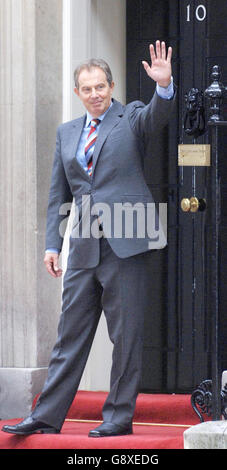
x: 90, y: 144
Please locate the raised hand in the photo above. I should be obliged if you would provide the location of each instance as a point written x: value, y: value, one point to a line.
x: 160, y: 69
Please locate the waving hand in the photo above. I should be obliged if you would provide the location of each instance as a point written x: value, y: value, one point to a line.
x: 160, y: 69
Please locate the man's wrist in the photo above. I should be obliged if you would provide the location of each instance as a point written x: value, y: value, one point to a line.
x: 165, y: 85
x: 165, y: 92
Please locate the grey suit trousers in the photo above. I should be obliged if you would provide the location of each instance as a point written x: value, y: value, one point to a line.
x: 119, y: 287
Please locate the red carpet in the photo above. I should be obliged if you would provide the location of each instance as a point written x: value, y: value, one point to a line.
x: 166, y: 418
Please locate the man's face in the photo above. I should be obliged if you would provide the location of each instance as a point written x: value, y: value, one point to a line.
x: 94, y: 91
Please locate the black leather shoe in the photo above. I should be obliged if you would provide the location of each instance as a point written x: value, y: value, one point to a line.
x: 30, y: 426
x: 110, y: 429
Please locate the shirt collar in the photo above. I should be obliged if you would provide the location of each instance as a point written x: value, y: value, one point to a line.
x: 89, y: 116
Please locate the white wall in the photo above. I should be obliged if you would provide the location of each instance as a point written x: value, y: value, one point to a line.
x: 93, y: 28
x: 30, y: 111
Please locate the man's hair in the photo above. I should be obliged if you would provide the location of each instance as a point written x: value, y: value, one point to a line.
x: 88, y: 65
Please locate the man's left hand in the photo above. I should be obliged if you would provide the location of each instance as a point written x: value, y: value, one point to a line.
x: 160, y: 70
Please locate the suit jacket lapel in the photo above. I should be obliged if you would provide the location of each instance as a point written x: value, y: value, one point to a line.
x: 111, y: 119
x: 78, y: 125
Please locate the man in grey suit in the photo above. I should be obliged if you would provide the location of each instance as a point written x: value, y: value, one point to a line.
x: 99, y: 162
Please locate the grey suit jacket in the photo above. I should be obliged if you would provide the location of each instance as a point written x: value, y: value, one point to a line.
x: 117, y: 184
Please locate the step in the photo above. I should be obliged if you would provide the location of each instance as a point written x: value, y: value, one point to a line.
x: 157, y: 408
x: 74, y: 435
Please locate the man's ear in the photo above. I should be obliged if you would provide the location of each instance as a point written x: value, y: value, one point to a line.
x: 112, y: 86
x: 76, y: 91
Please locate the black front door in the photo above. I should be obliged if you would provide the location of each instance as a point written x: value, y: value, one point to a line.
x: 177, y: 351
